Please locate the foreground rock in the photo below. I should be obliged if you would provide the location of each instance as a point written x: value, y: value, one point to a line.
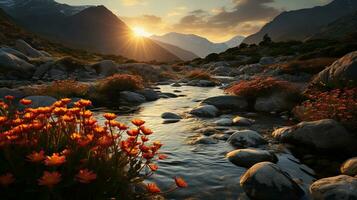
x: 149, y: 94
x: 335, y: 188
x: 242, y: 121
x: 28, y: 50
x: 249, y: 157
x: 266, y: 181
x: 275, y: 102
x: 227, y: 103
x: 246, y: 138
x: 204, y: 140
x: 168, y: 115
x: 224, y: 122
x: 350, y: 167
x: 132, y: 97
x: 41, y: 101
x: 207, y: 111
x: 323, y: 135
x: 341, y: 72
x: 12, y: 92
x: 14, y: 67
x: 105, y: 68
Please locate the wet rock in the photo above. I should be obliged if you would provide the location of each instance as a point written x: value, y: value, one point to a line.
x: 242, y: 121
x: 27, y: 49
x: 169, y: 95
x: 230, y: 132
x: 227, y: 103
x: 266, y: 181
x: 323, y: 135
x: 220, y: 136
x: 206, y: 83
x: 149, y: 94
x: 132, y: 97
x: 335, y: 188
x: 341, y: 72
x: 208, y: 131
x: 176, y: 85
x: 170, y: 121
x: 267, y: 60
x: 204, y: 140
x: 249, y: 157
x: 246, y: 138
x: 349, y: 167
x: 106, y: 68
x: 224, y: 122
x: 169, y: 115
x: 41, y: 101
x: 207, y: 111
x: 275, y: 102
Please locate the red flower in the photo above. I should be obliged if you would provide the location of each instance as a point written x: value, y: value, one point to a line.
x: 133, y: 132
x: 145, y: 130
x: 138, y: 122
x: 109, y: 116
x: 180, y: 182
x: 163, y: 156
x: 153, y: 167
x: 9, y: 97
x: 36, y: 156
x: 55, y: 160
x: 6, y: 179
x: 86, y: 176
x: 153, y: 188
x: 25, y: 102
x: 49, y: 179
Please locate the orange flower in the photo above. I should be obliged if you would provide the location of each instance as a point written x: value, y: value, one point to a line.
x: 85, y: 176
x: 55, y: 160
x: 153, y: 167
x: 144, y: 138
x: 68, y: 118
x: 2, y: 119
x: 153, y: 188
x: 9, y: 97
x: 110, y: 116
x: 36, y: 156
x: 87, y: 114
x: 25, y: 102
x: 163, y: 156
x: 66, y: 100
x: 138, y: 122
x: 180, y: 182
x: 145, y: 130
x: 49, y: 179
x: 59, y: 111
x: 76, y: 136
x: 6, y: 179
x: 133, y: 132
x: 84, y: 103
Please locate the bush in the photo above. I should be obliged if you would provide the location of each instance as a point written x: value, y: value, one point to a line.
x: 113, y: 85
x: 62, y: 89
x: 339, y: 104
x: 199, y: 75
x: 63, y: 153
x: 311, y: 66
x: 258, y: 87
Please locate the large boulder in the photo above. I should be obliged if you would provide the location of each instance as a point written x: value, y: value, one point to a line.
x: 14, y: 52
x: 28, y: 50
x: 249, y: 157
x: 266, y: 181
x: 342, y: 72
x: 246, y: 138
x: 106, y: 68
x: 132, y: 97
x: 149, y: 94
x: 335, y: 188
x: 10, y: 63
x: 206, y: 111
x: 41, y: 101
x: 323, y: 135
x: 276, y: 102
x: 227, y: 103
x: 349, y: 167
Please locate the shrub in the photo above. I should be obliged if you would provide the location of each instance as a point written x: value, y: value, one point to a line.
x: 113, y: 85
x: 258, y: 87
x: 62, y: 89
x: 311, y: 66
x: 63, y: 153
x: 339, y: 104
x: 199, y: 75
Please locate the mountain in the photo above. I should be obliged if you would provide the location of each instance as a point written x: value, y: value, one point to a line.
x: 181, y: 53
x: 300, y: 24
x: 193, y: 43
x: 339, y: 29
x: 94, y: 28
x: 235, y: 41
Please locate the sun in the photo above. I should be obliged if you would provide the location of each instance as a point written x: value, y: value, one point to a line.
x: 140, y: 32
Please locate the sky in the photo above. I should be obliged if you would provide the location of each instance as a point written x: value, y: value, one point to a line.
x: 217, y: 20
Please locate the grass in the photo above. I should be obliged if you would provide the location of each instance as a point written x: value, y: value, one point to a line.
x: 199, y: 75
x: 310, y: 66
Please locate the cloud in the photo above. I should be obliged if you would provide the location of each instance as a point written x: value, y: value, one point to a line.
x: 133, y: 2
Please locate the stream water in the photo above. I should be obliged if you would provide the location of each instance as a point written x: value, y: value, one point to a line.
x: 209, y: 174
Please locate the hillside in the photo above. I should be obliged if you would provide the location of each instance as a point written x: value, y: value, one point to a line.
x: 301, y: 24
x: 181, y: 53
x: 94, y: 29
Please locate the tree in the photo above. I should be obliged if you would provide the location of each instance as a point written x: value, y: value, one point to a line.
x: 266, y: 40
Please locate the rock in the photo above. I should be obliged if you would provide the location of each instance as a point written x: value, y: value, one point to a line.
x: 105, y: 68
x: 227, y: 103
x: 267, y: 60
x: 249, y: 157
x: 15, y: 53
x: 242, y: 121
x: 170, y: 121
x: 208, y: 131
x: 57, y: 74
x: 169, y: 115
x: 266, y: 181
x: 206, y: 83
x: 220, y: 136
x: 12, y: 92
x: 204, y: 140
x: 149, y: 94
x: 224, y: 122
x: 41, y: 101
x: 42, y: 70
x: 132, y: 97
x: 349, y: 167
x: 251, y: 69
x: 222, y: 71
x: 275, y: 102
x: 10, y: 63
x: 169, y: 95
x: 246, y: 138
x: 340, y: 73
x: 207, y: 111
x: 26, y: 49
x: 323, y: 135
x: 335, y: 188
x: 176, y: 85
